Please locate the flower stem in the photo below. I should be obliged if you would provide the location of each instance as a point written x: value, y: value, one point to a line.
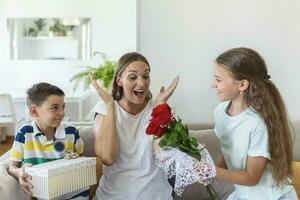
x: 212, y: 192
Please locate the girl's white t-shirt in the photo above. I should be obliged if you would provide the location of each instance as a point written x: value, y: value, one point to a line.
x: 134, y: 174
x: 246, y: 135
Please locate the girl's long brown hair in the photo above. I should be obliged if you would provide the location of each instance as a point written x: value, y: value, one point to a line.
x: 265, y: 99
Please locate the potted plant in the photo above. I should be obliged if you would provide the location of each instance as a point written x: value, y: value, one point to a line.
x: 32, y: 32
x: 58, y: 29
x: 51, y: 31
x: 40, y: 23
x: 70, y: 29
x: 104, y: 72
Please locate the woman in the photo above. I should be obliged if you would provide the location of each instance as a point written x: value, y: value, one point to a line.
x: 120, y: 138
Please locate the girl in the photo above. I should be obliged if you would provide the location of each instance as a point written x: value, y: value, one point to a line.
x: 121, y: 141
x: 253, y: 129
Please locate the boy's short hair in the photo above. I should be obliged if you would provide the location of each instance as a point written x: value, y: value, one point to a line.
x: 39, y: 92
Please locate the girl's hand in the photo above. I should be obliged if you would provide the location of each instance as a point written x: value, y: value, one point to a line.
x: 24, y: 180
x: 103, y: 94
x: 156, y: 145
x: 165, y: 94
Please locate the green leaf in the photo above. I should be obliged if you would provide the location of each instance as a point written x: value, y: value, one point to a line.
x: 104, y: 72
x: 194, y: 141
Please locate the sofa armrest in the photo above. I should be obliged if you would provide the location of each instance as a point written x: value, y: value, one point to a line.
x: 9, y: 186
x: 87, y: 135
x: 200, y: 126
x: 4, y: 157
x: 81, y: 123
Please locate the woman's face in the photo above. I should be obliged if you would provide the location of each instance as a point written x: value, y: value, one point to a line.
x: 135, y: 81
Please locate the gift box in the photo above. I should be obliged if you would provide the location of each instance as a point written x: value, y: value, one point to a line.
x: 59, y: 177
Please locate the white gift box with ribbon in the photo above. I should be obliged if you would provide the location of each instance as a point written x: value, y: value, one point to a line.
x: 59, y: 177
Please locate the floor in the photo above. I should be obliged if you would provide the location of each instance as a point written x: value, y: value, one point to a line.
x: 5, y: 146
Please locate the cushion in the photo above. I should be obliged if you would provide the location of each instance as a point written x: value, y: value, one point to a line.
x: 93, y: 188
x: 210, y: 140
x: 87, y: 135
x: 198, y: 191
x: 296, y: 127
x: 296, y: 179
x: 9, y: 186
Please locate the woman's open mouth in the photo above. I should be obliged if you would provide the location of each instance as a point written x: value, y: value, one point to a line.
x: 139, y: 93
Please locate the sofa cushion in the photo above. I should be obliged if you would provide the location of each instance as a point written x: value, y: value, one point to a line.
x: 296, y: 179
x: 87, y: 135
x: 209, y: 139
x: 9, y: 186
x: 296, y: 127
x: 198, y: 191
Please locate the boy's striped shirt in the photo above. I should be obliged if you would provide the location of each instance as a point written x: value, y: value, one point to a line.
x: 31, y: 145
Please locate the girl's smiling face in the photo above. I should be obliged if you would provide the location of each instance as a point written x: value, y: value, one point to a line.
x: 226, y: 87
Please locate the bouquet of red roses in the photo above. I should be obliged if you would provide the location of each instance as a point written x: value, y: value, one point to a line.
x: 174, y: 134
x: 171, y: 131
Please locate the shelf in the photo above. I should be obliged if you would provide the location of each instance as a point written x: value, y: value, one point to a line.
x: 50, y: 38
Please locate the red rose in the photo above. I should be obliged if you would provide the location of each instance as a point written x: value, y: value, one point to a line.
x: 161, y: 116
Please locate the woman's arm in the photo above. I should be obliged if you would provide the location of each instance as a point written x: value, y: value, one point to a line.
x: 255, y: 167
x: 161, y: 98
x: 106, y: 140
x: 165, y: 94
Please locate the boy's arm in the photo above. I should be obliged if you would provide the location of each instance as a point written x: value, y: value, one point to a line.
x: 16, y: 170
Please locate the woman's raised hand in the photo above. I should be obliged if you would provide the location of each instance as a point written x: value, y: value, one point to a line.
x: 103, y: 94
x: 165, y: 94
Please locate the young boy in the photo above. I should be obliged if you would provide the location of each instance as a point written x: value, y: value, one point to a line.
x: 45, y: 138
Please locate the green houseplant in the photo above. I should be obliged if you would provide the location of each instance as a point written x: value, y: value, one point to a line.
x: 40, y: 23
x: 104, y: 72
x: 58, y: 29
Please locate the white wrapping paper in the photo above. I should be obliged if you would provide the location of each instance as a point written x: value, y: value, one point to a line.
x: 55, y: 178
x: 186, y: 169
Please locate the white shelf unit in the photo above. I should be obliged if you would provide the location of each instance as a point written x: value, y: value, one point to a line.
x: 77, y: 105
x: 48, y: 47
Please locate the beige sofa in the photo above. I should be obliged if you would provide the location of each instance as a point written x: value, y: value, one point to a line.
x: 9, y: 188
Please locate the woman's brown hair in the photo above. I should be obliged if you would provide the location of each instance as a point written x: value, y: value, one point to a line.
x: 263, y: 96
x: 124, y: 61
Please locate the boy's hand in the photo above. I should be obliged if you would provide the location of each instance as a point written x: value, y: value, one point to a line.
x: 24, y: 180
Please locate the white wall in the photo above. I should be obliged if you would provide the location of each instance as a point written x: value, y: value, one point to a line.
x: 184, y: 37
x: 113, y: 25
x: 113, y: 32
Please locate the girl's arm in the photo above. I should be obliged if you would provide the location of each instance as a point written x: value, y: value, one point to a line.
x: 250, y: 176
x: 106, y: 141
x: 221, y: 162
